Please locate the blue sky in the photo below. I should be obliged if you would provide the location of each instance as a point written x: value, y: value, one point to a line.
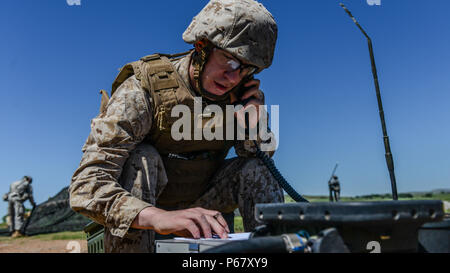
x: 55, y: 58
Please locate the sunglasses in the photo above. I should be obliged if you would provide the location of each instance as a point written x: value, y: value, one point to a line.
x: 231, y: 64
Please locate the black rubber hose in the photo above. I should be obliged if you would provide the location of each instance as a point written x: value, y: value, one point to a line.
x: 269, y: 244
x: 277, y: 175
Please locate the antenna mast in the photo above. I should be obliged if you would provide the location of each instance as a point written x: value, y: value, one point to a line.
x: 388, y: 155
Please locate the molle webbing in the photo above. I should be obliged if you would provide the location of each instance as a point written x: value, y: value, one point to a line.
x: 158, y: 77
x: 134, y: 68
x: 157, y: 74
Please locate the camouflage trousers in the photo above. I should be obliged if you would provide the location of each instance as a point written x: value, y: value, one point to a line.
x: 239, y: 183
x: 16, y: 211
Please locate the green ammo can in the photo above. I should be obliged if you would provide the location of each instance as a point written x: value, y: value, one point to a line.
x: 94, y: 234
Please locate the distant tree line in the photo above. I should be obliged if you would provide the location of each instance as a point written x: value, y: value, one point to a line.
x: 388, y: 195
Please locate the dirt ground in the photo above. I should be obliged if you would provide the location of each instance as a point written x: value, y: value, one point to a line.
x: 31, y: 245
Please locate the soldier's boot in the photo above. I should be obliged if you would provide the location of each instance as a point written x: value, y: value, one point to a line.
x: 17, y: 234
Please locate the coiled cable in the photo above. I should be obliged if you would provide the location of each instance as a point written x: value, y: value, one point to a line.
x: 277, y: 175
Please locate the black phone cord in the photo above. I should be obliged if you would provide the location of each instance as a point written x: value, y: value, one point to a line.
x: 277, y: 175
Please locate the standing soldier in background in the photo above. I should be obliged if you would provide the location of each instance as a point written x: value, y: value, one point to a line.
x: 20, y: 191
x: 335, y: 189
x: 136, y: 179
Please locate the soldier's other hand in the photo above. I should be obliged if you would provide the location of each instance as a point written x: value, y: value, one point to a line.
x: 193, y: 222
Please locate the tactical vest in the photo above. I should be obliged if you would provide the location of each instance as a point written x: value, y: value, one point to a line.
x: 189, y: 164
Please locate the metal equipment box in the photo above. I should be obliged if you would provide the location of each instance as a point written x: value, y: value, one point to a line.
x: 94, y: 235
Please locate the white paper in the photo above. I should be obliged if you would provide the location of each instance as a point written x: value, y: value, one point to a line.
x: 231, y: 237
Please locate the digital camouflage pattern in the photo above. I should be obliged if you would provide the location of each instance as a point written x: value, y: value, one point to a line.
x: 240, y: 183
x: 95, y: 191
x: 20, y: 191
x: 144, y: 177
x: 242, y: 27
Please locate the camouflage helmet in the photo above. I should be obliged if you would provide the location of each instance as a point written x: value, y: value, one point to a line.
x: 244, y: 28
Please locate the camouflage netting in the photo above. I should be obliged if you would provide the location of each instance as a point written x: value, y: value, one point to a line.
x: 4, y: 232
x: 55, y: 215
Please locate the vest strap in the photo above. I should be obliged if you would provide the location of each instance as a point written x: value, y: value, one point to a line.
x: 125, y: 72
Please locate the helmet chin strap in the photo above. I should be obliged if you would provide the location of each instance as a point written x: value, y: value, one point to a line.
x: 201, y: 54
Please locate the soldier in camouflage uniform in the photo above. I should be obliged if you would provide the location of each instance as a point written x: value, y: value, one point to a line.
x: 20, y: 191
x: 135, y: 179
x: 335, y: 189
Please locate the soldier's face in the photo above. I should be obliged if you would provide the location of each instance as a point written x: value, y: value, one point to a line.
x: 219, y: 76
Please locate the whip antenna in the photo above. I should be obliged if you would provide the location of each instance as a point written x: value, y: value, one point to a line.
x: 388, y: 155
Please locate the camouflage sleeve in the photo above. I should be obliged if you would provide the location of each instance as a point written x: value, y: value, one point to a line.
x: 247, y: 148
x: 94, y: 190
x: 30, y: 195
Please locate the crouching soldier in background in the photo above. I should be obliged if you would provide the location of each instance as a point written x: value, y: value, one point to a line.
x: 20, y: 191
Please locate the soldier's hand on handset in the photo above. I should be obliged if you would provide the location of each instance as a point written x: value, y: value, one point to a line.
x: 193, y: 222
x: 256, y: 97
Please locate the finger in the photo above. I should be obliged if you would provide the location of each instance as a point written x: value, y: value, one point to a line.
x: 254, y: 114
x: 219, y: 218
x: 252, y: 108
x: 205, y: 226
x: 207, y: 211
x: 193, y: 229
x: 217, y: 215
x: 254, y: 92
x: 255, y: 82
x: 217, y: 227
x: 233, y: 98
x: 194, y: 222
x: 240, y: 117
x: 253, y: 103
